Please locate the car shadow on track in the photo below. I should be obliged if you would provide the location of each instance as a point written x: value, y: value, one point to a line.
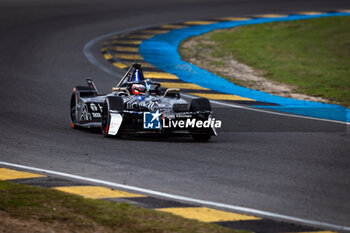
x: 159, y: 138
x: 146, y: 138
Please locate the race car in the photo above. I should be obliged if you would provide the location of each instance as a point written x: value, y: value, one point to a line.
x: 140, y: 106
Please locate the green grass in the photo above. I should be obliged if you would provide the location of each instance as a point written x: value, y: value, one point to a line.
x: 313, y: 55
x: 59, y: 211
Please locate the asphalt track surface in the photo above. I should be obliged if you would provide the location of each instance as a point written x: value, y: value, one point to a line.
x: 285, y: 165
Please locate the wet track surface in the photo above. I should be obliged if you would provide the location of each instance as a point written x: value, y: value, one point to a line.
x: 280, y: 164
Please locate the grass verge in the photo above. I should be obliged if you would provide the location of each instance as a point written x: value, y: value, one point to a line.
x: 312, y: 56
x: 26, y: 208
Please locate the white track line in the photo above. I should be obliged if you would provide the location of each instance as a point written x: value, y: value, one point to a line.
x: 89, y: 55
x: 187, y: 199
x: 87, y: 50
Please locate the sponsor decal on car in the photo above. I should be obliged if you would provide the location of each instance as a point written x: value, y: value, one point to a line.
x: 96, y: 115
x: 116, y: 122
x: 151, y: 120
x: 192, y: 123
x: 93, y: 107
x: 85, y: 115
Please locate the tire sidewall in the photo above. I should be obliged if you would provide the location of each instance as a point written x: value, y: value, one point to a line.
x: 105, y: 117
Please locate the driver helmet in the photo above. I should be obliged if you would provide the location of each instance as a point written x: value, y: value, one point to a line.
x: 137, y: 89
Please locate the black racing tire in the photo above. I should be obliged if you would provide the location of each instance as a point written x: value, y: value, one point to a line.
x: 200, y: 104
x: 79, y: 91
x: 73, y: 110
x: 115, y: 103
x: 110, y: 103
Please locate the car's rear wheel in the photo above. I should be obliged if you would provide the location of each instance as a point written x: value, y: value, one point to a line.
x: 201, y: 104
x: 79, y: 91
x: 111, y: 103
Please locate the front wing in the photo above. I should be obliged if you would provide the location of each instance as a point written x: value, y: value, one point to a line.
x: 156, y: 123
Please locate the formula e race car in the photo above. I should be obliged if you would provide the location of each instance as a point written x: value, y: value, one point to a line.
x: 140, y: 106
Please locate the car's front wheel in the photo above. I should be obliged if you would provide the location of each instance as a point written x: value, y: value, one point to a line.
x: 115, y: 103
x: 201, y: 104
